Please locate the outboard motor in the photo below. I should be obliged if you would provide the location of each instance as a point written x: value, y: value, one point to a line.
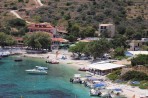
x: 71, y: 80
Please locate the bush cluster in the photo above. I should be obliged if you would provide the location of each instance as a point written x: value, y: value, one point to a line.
x: 140, y: 60
x: 114, y: 75
x: 134, y: 75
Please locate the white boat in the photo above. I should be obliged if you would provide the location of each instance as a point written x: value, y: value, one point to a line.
x: 76, y: 78
x: 39, y: 71
x: 40, y: 67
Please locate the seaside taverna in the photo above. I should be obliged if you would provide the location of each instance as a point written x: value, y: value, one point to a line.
x: 102, y: 68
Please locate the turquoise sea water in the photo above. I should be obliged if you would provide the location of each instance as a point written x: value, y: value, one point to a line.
x: 15, y: 82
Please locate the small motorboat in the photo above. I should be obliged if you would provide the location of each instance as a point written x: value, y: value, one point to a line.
x: 37, y: 71
x: 76, y: 78
x: 18, y: 60
x: 83, y: 69
x: 54, y: 62
x: 48, y: 61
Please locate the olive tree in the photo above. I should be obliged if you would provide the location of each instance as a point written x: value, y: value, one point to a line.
x: 38, y: 40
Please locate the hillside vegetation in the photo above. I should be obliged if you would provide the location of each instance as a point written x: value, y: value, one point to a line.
x: 129, y: 16
x: 122, y: 13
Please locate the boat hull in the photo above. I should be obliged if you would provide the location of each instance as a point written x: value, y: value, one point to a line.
x: 36, y: 72
x: 18, y: 60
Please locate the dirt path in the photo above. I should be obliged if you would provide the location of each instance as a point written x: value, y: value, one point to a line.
x: 38, y: 4
x: 15, y: 14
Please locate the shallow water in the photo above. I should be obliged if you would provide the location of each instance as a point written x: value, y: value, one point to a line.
x: 15, y: 82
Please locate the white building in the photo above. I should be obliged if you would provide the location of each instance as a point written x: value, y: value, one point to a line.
x: 109, y: 28
x: 103, y: 68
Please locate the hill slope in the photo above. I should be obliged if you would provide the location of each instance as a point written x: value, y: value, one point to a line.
x: 126, y: 14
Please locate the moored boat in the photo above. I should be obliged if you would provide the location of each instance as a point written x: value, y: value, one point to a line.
x: 37, y: 71
x: 83, y: 69
x: 54, y: 62
x: 48, y: 61
x: 18, y: 60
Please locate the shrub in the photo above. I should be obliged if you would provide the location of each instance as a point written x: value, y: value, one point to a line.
x: 20, y: 0
x: 143, y: 85
x: 135, y: 75
x: 114, y: 75
x: 119, y: 51
x: 17, y: 22
x: 140, y: 60
x: 14, y: 8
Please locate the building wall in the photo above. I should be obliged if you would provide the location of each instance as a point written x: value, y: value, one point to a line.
x: 135, y: 45
x: 110, y: 28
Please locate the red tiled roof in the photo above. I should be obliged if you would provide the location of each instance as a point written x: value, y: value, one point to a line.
x: 41, y: 25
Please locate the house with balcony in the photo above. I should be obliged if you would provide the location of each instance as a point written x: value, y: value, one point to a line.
x: 109, y: 29
x: 56, y: 33
x: 136, y: 45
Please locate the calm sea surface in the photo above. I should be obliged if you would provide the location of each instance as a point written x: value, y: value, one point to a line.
x: 15, y: 82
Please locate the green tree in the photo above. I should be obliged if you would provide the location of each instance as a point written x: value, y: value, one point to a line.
x: 71, y: 38
x: 135, y: 75
x: 78, y: 48
x: 140, y: 60
x: 114, y: 75
x: 119, y: 51
x: 16, y: 27
x: 17, y: 23
x: 129, y: 32
x: 6, y: 40
x: 10, y: 41
x: 119, y: 41
x: 38, y: 40
x: 2, y: 39
x: 98, y: 48
x: 87, y: 32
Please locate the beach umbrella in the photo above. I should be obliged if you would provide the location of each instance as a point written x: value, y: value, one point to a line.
x: 99, y: 85
x: 92, y: 78
x: 117, y: 89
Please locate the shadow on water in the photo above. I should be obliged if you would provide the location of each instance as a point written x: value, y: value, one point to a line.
x: 52, y: 93
x: 8, y: 85
x: 8, y: 94
x: 1, y: 63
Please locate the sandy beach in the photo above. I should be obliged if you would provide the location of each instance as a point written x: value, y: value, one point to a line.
x: 128, y: 91
x: 52, y: 56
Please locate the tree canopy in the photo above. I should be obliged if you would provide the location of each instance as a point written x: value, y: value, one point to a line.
x: 140, y: 60
x: 134, y: 75
x: 6, y: 40
x: 95, y: 48
x: 98, y: 48
x: 17, y: 22
x: 119, y: 41
x: 38, y: 40
x: 78, y: 48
